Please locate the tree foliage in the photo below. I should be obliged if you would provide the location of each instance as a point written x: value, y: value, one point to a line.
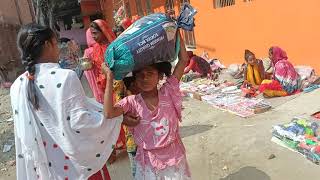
x: 45, y: 10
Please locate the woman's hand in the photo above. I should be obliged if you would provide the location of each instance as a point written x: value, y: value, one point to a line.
x: 245, y: 84
x: 106, y: 71
x: 131, y: 120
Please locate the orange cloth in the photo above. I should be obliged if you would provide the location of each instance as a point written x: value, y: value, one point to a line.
x: 253, y: 75
x: 272, y: 88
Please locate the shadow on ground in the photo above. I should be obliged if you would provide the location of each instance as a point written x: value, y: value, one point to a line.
x: 186, y: 131
x: 248, y: 173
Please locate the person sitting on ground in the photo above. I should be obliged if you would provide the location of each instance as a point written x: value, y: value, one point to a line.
x: 198, y: 65
x: 254, y: 71
x: 285, y: 79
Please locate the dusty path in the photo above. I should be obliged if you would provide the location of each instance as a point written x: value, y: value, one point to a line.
x: 222, y: 146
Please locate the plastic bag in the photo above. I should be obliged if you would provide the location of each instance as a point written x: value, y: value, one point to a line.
x: 151, y: 39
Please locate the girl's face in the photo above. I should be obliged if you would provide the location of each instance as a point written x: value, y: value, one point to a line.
x: 98, y: 36
x: 252, y: 60
x: 51, y: 49
x: 147, y: 79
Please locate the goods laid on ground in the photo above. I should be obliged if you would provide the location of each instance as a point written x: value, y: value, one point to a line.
x: 316, y: 115
x: 151, y: 39
x: 300, y: 135
x: 224, y: 96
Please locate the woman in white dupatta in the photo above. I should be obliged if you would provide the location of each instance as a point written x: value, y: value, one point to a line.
x: 59, y: 133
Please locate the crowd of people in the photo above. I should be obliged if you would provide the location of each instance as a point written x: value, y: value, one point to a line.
x: 61, y: 134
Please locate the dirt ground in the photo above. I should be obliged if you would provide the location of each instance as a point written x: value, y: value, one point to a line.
x: 6, y: 134
x: 222, y: 146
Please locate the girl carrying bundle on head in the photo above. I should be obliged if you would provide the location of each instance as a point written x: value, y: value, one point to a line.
x: 160, y: 151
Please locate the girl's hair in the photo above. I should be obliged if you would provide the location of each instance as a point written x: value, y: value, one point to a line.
x: 163, y: 68
x: 95, y: 26
x: 247, y: 54
x: 30, y: 41
x: 128, y: 81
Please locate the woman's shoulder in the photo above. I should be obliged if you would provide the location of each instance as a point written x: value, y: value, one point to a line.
x: 18, y: 81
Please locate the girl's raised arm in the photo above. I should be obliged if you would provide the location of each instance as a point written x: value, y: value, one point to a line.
x: 183, y: 59
x: 110, y: 111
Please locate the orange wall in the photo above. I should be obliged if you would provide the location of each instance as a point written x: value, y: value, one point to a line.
x: 257, y: 25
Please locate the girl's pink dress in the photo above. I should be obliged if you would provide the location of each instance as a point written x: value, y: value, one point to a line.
x: 160, y: 152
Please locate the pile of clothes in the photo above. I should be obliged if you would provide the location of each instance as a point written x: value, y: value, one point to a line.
x: 309, y: 81
x: 224, y: 96
x: 203, y: 86
x: 236, y: 104
x: 301, y: 135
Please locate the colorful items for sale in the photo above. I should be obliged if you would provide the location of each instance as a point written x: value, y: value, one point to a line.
x: 300, y: 135
x: 224, y: 96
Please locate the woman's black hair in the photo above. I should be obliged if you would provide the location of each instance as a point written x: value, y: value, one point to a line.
x: 95, y: 26
x: 247, y: 54
x: 163, y: 68
x: 30, y: 41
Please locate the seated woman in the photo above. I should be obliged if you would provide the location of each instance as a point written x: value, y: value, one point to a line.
x: 198, y: 65
x: 254, y: 70
x: 285, y: 79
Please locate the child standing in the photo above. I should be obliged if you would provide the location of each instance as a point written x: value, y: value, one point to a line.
x: 160, y: 151
x: 131, y: 89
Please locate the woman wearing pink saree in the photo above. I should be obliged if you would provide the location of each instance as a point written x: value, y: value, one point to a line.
x: 285, y: 79
x: 88, y: 53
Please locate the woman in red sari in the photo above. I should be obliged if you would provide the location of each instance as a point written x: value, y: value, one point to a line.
x: 103, y: 36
